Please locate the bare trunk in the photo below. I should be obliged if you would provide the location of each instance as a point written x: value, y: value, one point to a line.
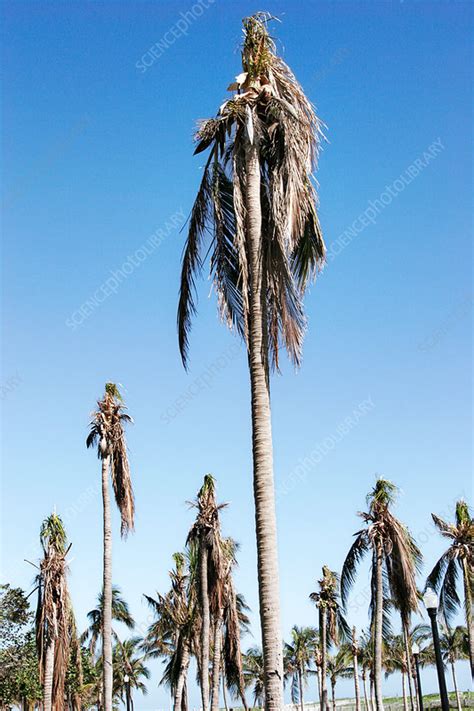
x: 183, y: 671
x: 378, y: 628
x: 333, y: 693
x: 455, y: 684
x: 301, y: 689
x: 324, y: 658
x: 224, y: 693
x: 404, y: 693
x: 372, y: 693
x: 107, y: 592
x: 318, y: 678
x: 48, y: 677
x: 468, y: 579
x: 406, y: 637
x: 216, y: 664
x: 265, y: 515
x: 368, y: 706
x: 205, y: 627
x: 356, y: 669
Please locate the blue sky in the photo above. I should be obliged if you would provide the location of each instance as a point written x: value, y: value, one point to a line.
x: 98, y: 164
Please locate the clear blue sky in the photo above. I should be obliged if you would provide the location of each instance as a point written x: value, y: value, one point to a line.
x: 97, y: 158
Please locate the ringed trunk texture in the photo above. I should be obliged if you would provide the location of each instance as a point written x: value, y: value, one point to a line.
x: 107, y: 592
x: 378, y: 628
x: 205, y: 627
x: 265, y: 516
x: 468, y: 579
x: 183, y: 671
x: 324, y: 658
x: 48, y: 677
x: 216, y: 664
x: 406, y: 637
x: 455, y: 684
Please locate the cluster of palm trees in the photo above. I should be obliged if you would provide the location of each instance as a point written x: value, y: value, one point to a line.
x: 258, y: 203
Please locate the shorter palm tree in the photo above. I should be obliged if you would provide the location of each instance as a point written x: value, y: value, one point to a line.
x: 454, y: 646
x: 254, y: 674
x: 339, y: 666
x: 129, y: 662
x: 395, y: 660
x: 120, y: 613
x: 297, y: 657
x: 459, y: 557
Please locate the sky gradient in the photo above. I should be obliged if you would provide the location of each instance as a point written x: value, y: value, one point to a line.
x: 100, y: 101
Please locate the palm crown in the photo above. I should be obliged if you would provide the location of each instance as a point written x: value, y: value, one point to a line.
x: 271, y: 112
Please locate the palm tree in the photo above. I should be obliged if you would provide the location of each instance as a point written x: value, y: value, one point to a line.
x: 257, y: 199
x: 107, y: 431
x: 254, y: 674
x: 459, y: 556
x: 298, y: 655
x: 206, y: 536
x: 454, y: 646
x: 339, y: 666
x: 355, y: 664
x: 395, y: 561
x: 365, y: 657
x: 120, y: 613
x: 395, y: 660
x: 175, y: 631
x: 54, y: 616
x: 332, y: 624
x: 129, y: 662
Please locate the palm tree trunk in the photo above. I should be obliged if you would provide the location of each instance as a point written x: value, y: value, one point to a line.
x: 205, y: 626
x: 356, y: 669
x: 324, y: 658
x: 406, y: 637
x: 404, y: 693
x: 48, y: 677
x: 216, y: 664
x: 107, y: 583
x: 318, y: 678
x: 180, y: 685
x: 378, y: 627
x: 372, y: 693
x: 455, y: 684
x: 265, y: 516
x: 368, y: 706
x: 301, y: 689
x: 333, y: 693
x: 468, y: 579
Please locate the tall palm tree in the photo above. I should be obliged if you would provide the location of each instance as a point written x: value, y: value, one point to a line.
x: 458, y: 557
x: 205, y: 534
x: 257, y: 199
x: 332, y: 624
x: 254, y: 674
x: 54, y: 616
x: 120, y: 613
x: 339, y: 667
x: 128, y: 661
x: 454, y: 646
x: 395, y: 561
x: 107, y: 432
x: 298, y: 655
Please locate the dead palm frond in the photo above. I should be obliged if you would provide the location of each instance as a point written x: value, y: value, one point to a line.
x: 107, y: 432
x: 268, y: 109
